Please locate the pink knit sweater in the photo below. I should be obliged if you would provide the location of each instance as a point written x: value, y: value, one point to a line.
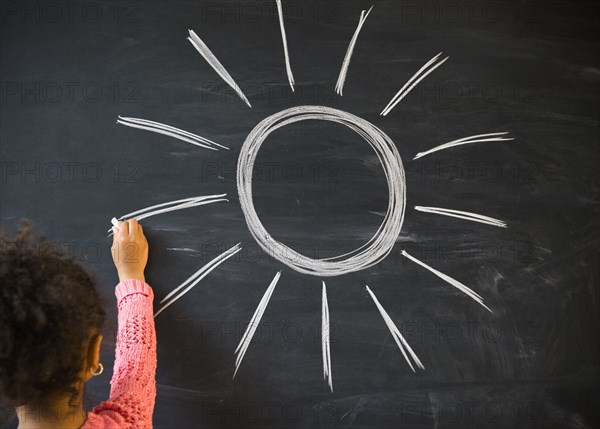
x: 133, y: 385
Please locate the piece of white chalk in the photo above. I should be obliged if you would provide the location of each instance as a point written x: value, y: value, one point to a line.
x: 115, y: 222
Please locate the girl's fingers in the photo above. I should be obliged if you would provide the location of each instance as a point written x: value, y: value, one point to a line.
x: 132, y: 223
x: 124, y: 227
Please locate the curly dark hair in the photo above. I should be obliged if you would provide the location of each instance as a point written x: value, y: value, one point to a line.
x: 48, y: 307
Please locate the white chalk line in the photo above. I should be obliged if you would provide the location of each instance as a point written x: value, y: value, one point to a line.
x: 199, y: 140
x: 410, y: 81
x: 216, y: 64
x: 182, y: 249
x: 166, y: 133
x: 466, y: 290
x: 180, y: 207
x: 339, y: 88
x: 286, y: 53
x: 400, y: 96
x: 198, y: 276
x: 172, y: 129
x: 491, y: 137
x: 174, y: 206
x: 326, y: 344
x: 418, y: 77
x: 391, y: 326
x: 184, y: 200
x: 217, y: 260
x: 185, y: 203
x: 473, y: 217
x: 248, y: 334
x: 400, y: 341
x: 247, y: 337
x: 479, y: 136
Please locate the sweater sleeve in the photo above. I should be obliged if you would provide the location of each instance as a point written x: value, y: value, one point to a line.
x: 133, y: 385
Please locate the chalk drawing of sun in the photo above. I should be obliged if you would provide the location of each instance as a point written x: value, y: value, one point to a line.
x: 369, y: 254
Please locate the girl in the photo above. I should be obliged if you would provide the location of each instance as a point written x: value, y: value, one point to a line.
x: 50, y: 334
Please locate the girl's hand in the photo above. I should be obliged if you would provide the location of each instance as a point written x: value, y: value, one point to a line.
x: 129, y: 250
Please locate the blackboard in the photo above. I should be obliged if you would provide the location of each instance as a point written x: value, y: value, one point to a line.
x: 529, y: 68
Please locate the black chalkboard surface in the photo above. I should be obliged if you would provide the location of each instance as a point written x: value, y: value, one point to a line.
x: 527, y: 68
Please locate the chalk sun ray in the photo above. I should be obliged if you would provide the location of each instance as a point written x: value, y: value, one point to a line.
x: 172, y: 206
x: 339, y: 88
x: 253, y: 324
x: 286, y: 52
x: 325, y: 340
x: 209, y: 266
x: 166, y: 133
x: 400, y: 341
x: 168, y: 130
x: 481, y: 138
x: 466, y: 290
x: 473, y: 217
x: 215, y: 64
x: 177, y: 202
x: 412, y: 82
x: 197, y: 277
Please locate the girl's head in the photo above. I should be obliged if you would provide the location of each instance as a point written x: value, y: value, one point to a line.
x: 50, y: 320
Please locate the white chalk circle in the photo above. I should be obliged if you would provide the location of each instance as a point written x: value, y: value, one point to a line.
x: 372, y: 252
